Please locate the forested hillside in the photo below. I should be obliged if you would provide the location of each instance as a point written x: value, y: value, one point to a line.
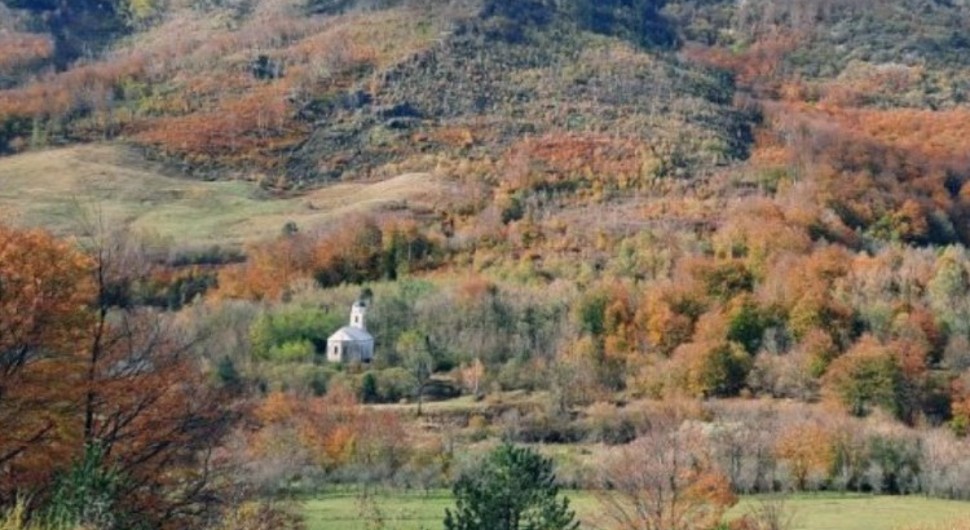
x: 730, y: 230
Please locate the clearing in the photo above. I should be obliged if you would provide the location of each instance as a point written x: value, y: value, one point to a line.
x: 416, y: 511
x: 57, y: 188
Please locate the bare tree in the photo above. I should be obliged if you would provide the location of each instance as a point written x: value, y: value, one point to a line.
x: 665, y: 480
x: 770, y: 513
x: 146, y: 401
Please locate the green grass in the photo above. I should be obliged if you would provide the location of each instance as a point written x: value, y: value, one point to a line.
x: 49, y: 188
x: 468, y: 404
x: 344, y: 511
x: 418, y: 511
x: 868, y: 512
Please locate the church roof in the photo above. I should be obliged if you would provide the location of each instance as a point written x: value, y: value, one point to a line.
x: 349, y: 333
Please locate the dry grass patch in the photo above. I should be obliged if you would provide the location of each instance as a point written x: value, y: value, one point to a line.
x: 52, y: 188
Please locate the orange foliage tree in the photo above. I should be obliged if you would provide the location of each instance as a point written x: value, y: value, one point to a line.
x: 44, y: 291
x: 808, y: 452
x: 869, y: 375
x: 327, y: 432
x: 79, y: 368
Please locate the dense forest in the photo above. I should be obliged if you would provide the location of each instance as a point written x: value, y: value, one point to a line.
x: 735, y: 231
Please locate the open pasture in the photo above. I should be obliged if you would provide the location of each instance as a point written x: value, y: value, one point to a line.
x: 58, y: 188
x: 420, y: 511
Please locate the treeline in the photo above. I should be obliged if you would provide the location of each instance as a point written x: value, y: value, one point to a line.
x: 358, y: 249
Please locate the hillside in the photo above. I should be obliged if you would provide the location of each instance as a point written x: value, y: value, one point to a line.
x: 348, y: 94
x: 508, y: 74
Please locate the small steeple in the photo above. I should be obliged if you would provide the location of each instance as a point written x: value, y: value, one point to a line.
x: 358, y: 315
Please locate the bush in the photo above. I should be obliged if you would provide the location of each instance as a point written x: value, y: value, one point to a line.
x: 290, y: 352
x: 89, y: 495
x: 608, y: 424
x: 394, y: 384
x: 292, y: 334
x: 265, y: 515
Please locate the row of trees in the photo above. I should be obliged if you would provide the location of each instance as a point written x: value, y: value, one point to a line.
x: 358, y: 249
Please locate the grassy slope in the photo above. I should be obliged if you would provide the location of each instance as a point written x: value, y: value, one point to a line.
x: 50, y: 188
x: 812, y: 512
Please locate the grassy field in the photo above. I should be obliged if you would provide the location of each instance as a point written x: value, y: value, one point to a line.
x: 812, y: 512
x: 48, y: 188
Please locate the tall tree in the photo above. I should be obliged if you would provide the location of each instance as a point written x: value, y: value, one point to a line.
x: 80, y: 368
x: 416, y: 354
x: 44, y: 295
x: 146, y: 402
x: 513, y: 489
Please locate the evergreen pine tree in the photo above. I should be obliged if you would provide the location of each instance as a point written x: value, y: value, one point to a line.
x: 514, y: 489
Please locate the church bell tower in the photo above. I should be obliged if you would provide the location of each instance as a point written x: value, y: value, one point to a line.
x: 358, y: 315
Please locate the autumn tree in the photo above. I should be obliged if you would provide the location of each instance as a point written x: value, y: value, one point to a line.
x: 158, y: 418
x: 45, y: 290
x: 716, y: 369
x: 807, y: 450
x: 472, y: 375
x: 715, y: 366
x: 665, y: 480
x: 869, y: 376
x: 80, y: 368
x: 294, y: 434
x: 146, y: 402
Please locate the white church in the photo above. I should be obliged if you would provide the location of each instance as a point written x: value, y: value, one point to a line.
x: 352, y: 343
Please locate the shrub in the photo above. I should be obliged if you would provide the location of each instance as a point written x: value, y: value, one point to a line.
x: 290, y: 352
x: 88, y: 495
x: 292, y: 334
x: 770, y: 513
x: 607, y: 424
x: 394, y: 384
x: 264, y: 515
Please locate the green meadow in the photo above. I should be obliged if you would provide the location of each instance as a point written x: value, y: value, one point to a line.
x: 419, y: 511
